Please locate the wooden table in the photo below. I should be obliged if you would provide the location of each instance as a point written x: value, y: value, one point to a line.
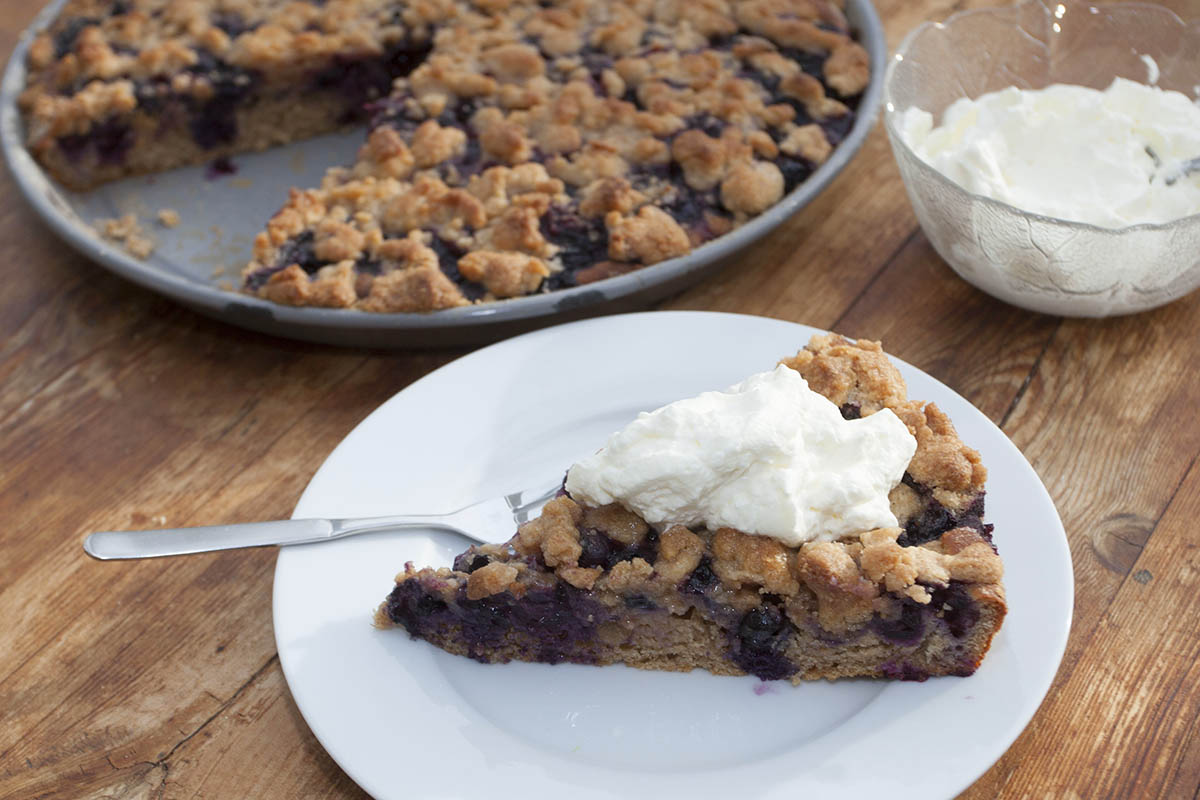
x: 159, y: 679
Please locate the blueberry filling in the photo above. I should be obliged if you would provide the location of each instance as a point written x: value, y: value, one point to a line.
x: 110, y: 141
x: 560, y: 623
x: 419, y: 612
x: 951, y: 602
x: 448, y: 255
x: 959, y: 612
x: 152, y: 94
x: 298, y: 250
x: 600, y: 550
x: 368, y: 266
x: 759, y: 644
x: 811, y: 61
x: 903, y: 671
x: 584, y: 242
x: 851, y: 411
x: 795, y: 171
x: 478, y: 562
x: 214, y: 120
x: 360, y: 80
x: 65, y: 38
x: 557, y: 624
x: 597, y: 549
x: 701, y: 579
x: 906, y: 629
x: 935, y: 519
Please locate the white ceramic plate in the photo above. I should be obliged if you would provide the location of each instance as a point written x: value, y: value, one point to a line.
x: 406, y: 720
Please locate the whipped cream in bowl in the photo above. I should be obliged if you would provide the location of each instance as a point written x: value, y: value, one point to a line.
x: 768, y: 456
x: 1043, y: 164
x: 1110, y: 158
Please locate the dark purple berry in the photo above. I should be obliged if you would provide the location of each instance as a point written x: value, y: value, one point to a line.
x: 702, y: 578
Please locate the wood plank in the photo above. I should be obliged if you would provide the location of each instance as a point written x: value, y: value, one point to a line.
x: 261, y: 726
x: 1100, y: 422
x: 219, y: 462
x: 1124, y: 721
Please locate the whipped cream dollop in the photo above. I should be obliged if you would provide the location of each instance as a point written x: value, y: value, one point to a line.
x: 768, y: 456
x: 1110, y: 158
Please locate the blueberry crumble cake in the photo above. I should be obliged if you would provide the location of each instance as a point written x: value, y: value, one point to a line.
x: 513, y: 146
x: 595, y: 582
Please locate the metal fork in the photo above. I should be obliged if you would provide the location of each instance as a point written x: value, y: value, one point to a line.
x: 489, y: 521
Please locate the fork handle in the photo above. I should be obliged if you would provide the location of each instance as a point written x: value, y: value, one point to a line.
x: 106, y: 545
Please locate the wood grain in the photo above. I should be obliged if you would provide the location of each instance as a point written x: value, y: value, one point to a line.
x: 160, y: 679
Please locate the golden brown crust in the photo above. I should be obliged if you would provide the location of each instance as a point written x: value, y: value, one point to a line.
x: 942, y: 460
x: 679, y: 553
x: 850, y: 373
x: 741, y: 559
x: 845, y: 596
x: 490, y: 579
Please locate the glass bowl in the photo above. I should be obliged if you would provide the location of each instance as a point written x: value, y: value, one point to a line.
x: 1037, y: 262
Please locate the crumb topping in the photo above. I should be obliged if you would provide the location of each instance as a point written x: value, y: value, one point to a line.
x: 654, y: 127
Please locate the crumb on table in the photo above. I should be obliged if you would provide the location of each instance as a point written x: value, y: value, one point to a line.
x: 168, y: 217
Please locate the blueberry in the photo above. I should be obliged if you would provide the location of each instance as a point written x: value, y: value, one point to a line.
x: 795, y: 171
x: 959, y: 612
x: 904, y: 630
x: 597, y: 549
x: 584, y: 242
x: 760, y: 642
x: 428, y: 605
x: 760, y: 625
x: 701, y: 579
x: 110, y: 141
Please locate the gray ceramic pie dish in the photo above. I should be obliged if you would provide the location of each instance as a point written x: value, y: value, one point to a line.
x: 220, y: 217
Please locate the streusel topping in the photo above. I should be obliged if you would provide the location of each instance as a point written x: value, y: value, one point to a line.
x: 578, y: 141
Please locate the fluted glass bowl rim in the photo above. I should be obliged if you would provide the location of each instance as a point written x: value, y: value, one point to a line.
x: 891, y: 113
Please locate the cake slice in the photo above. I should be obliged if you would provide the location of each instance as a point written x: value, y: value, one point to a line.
x: 600, y: 585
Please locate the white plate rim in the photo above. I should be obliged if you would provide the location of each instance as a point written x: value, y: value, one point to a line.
x: 945, y: 779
